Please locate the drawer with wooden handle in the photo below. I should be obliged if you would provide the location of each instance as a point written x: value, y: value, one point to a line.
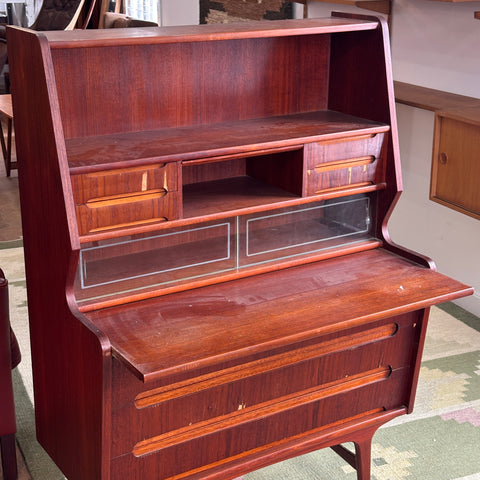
x: 243, y: 393
x: 344, y: 163
x: 126, y: 197
x: 136, y: 180
x: 127, y: 211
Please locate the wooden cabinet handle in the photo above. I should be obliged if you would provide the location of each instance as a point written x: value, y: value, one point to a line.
x: 443, y: 158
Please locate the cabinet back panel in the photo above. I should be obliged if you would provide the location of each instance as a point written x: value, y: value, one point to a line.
x: 159, y: 86
x: 366, y: 91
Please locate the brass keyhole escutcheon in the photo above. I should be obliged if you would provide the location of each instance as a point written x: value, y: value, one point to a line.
x: 443, y: 158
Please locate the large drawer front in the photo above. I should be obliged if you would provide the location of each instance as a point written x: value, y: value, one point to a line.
x: 344, y: 163
x: 126, y: 197
x: 266, y: 400
x: 208, y: 446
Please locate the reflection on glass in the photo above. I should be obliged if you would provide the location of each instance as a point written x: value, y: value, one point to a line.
x: 173, y: 256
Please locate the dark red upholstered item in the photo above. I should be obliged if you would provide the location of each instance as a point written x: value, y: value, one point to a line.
x: 9, y: 358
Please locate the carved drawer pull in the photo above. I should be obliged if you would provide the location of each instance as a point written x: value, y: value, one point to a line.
x: 125, y: 198
x: 350, y: 163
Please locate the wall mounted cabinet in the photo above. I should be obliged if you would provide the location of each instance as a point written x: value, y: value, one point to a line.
x: 456, y: 143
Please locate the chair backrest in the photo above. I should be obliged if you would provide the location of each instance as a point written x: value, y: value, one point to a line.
x: 58, y: 15
x: 120, y: 20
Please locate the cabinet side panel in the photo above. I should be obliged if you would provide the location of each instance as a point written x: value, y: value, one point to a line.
x: 145, y: 87
x: 67, y: 354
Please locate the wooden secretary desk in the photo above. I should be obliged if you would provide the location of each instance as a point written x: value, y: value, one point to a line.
x: 211, y: 284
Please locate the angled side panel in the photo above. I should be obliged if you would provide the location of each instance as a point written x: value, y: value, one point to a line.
x: 68, y: 355
x: 361, y: 83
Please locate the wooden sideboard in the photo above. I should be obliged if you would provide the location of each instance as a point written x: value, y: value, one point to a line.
x: 211, y: 284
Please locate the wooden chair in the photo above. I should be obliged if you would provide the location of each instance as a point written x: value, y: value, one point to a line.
x: 53, y: 15
x: 121, y: 20
x: 6, y: 115
x: 9, y: 358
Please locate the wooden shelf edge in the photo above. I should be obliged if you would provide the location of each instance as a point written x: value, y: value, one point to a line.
x: 258, y: 136
x: 437, y: 101
x: 287, y: 202
x: 477, y: 15
x: 380, y: 6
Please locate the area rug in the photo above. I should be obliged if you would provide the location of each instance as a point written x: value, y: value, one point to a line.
x: 439, y: 441
x: 228, y: 11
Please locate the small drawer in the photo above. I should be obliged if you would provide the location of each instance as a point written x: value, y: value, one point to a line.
x: 124, y: 181
x: 344, y: 163
x: 127, y: 211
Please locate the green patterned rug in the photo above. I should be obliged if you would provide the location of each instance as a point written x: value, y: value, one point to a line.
x: 439, y: 441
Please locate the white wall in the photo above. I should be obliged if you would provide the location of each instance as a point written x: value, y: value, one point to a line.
x: 179, y: 12
x: 437, y: 45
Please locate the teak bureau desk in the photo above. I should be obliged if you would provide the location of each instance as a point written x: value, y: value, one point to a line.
x: 211, y: 284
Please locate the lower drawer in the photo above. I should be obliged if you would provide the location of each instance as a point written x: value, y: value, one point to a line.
x: 339, y: 364
x: 249, y: 432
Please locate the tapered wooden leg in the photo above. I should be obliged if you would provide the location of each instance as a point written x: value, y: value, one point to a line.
x: 361, y: 460
x: 363, y: 456
x: 9, y: 457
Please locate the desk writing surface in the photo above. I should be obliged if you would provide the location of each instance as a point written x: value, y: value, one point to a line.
x: 201, y: 327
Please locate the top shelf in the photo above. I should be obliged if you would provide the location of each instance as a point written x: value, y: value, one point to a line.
x: 201, y: 33
x: 207, y: 141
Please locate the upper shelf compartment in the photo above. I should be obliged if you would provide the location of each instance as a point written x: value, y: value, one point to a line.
x: 261, y: 96
x: 259, y: 71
